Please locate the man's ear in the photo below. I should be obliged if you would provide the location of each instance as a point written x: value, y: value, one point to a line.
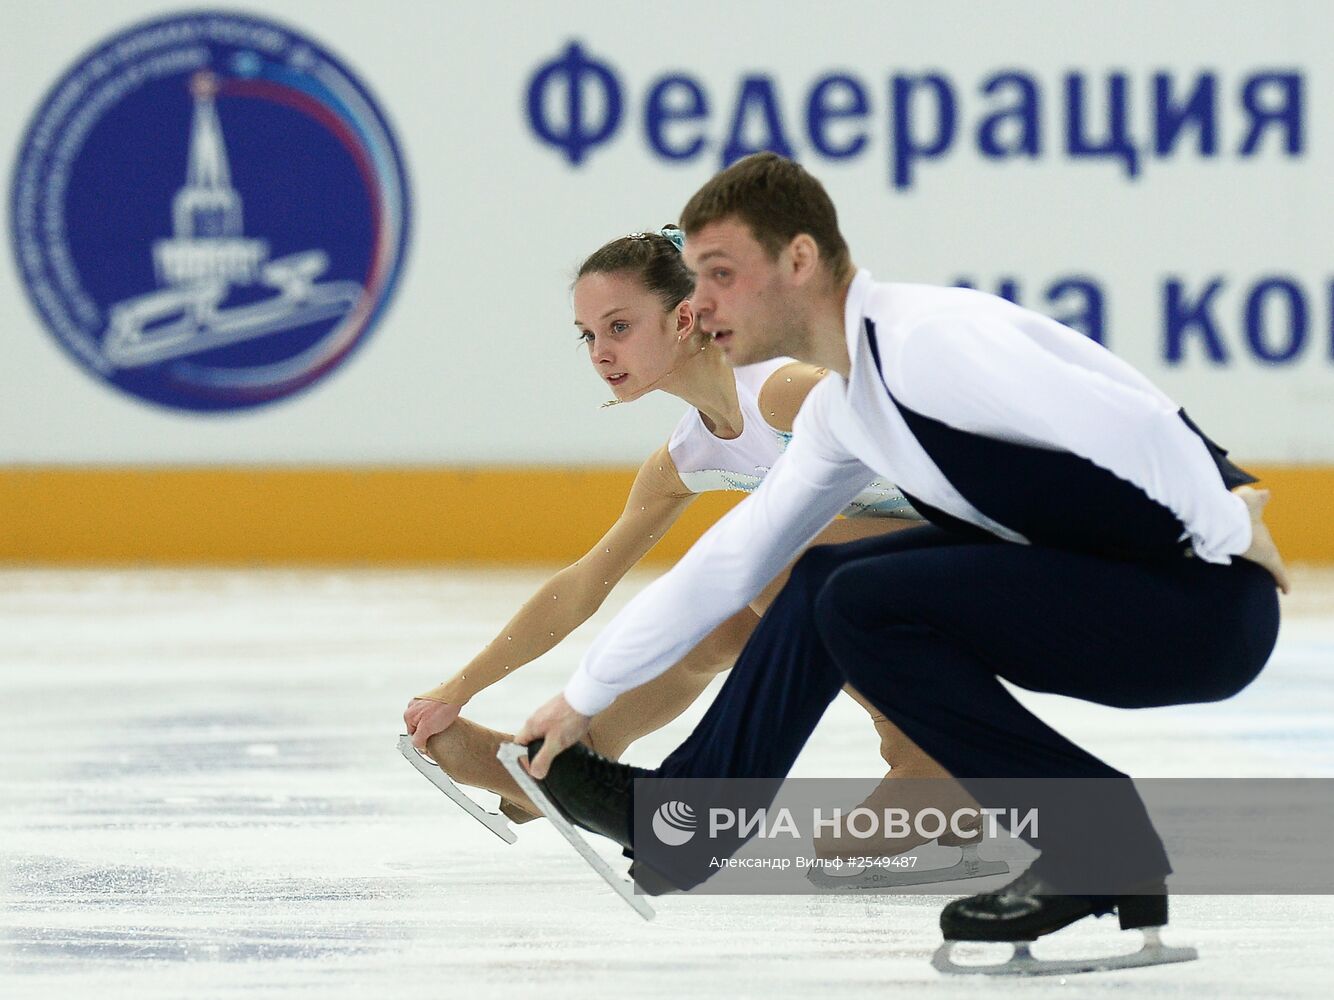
x: 803, y: 257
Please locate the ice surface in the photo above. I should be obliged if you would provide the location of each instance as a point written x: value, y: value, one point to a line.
x: 200, y: 795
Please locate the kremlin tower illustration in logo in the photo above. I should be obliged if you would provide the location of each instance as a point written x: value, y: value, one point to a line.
x: 206, y: 256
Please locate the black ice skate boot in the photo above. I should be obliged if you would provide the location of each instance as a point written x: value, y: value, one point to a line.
x: 592, y: 791
x: 1030, y: 907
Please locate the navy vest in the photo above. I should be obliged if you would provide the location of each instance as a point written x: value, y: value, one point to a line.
x: 1052, y: 498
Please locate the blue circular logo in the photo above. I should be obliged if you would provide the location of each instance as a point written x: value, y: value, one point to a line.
x: 209, y: 212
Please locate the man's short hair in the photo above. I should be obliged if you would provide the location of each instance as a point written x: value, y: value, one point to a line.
x: 777, y: 199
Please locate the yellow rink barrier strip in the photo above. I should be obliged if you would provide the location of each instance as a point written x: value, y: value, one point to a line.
x: 405, y: 516
x: 383, y: 516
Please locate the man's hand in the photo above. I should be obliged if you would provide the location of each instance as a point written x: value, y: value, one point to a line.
x: 1263, y: 550
x: 425, y: 718
x: 559, y: 726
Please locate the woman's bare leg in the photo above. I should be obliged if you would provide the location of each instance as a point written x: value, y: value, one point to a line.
x: 467, y: 753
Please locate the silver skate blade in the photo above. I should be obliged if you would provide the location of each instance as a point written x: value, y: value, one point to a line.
x: 509, y: 754
x: 878, y: 879
x: 428, y: 768
x: 1024, y: 963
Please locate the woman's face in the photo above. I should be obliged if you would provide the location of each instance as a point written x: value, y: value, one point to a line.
x: 632, y: 341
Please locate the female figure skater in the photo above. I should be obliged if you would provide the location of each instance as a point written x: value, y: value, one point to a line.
x: 632, y: 308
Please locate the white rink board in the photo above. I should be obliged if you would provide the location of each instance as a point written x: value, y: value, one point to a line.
x: 500, y: 219
x: 202, y: 797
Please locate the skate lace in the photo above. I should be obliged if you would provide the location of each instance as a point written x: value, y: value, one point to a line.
x: 1030, y: 883
x: 609, y: 774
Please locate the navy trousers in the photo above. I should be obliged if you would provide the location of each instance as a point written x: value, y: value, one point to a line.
x: 922, y: 622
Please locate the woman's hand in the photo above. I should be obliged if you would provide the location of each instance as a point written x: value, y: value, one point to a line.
x: 426, y: 718
x: 1263, y: 550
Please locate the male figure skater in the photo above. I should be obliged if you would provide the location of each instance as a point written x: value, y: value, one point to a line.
x: 1086, y: 539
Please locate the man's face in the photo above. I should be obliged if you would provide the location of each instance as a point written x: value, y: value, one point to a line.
x: 740, y: 298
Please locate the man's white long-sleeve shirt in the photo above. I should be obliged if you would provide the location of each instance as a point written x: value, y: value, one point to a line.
x: 989, y: 416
